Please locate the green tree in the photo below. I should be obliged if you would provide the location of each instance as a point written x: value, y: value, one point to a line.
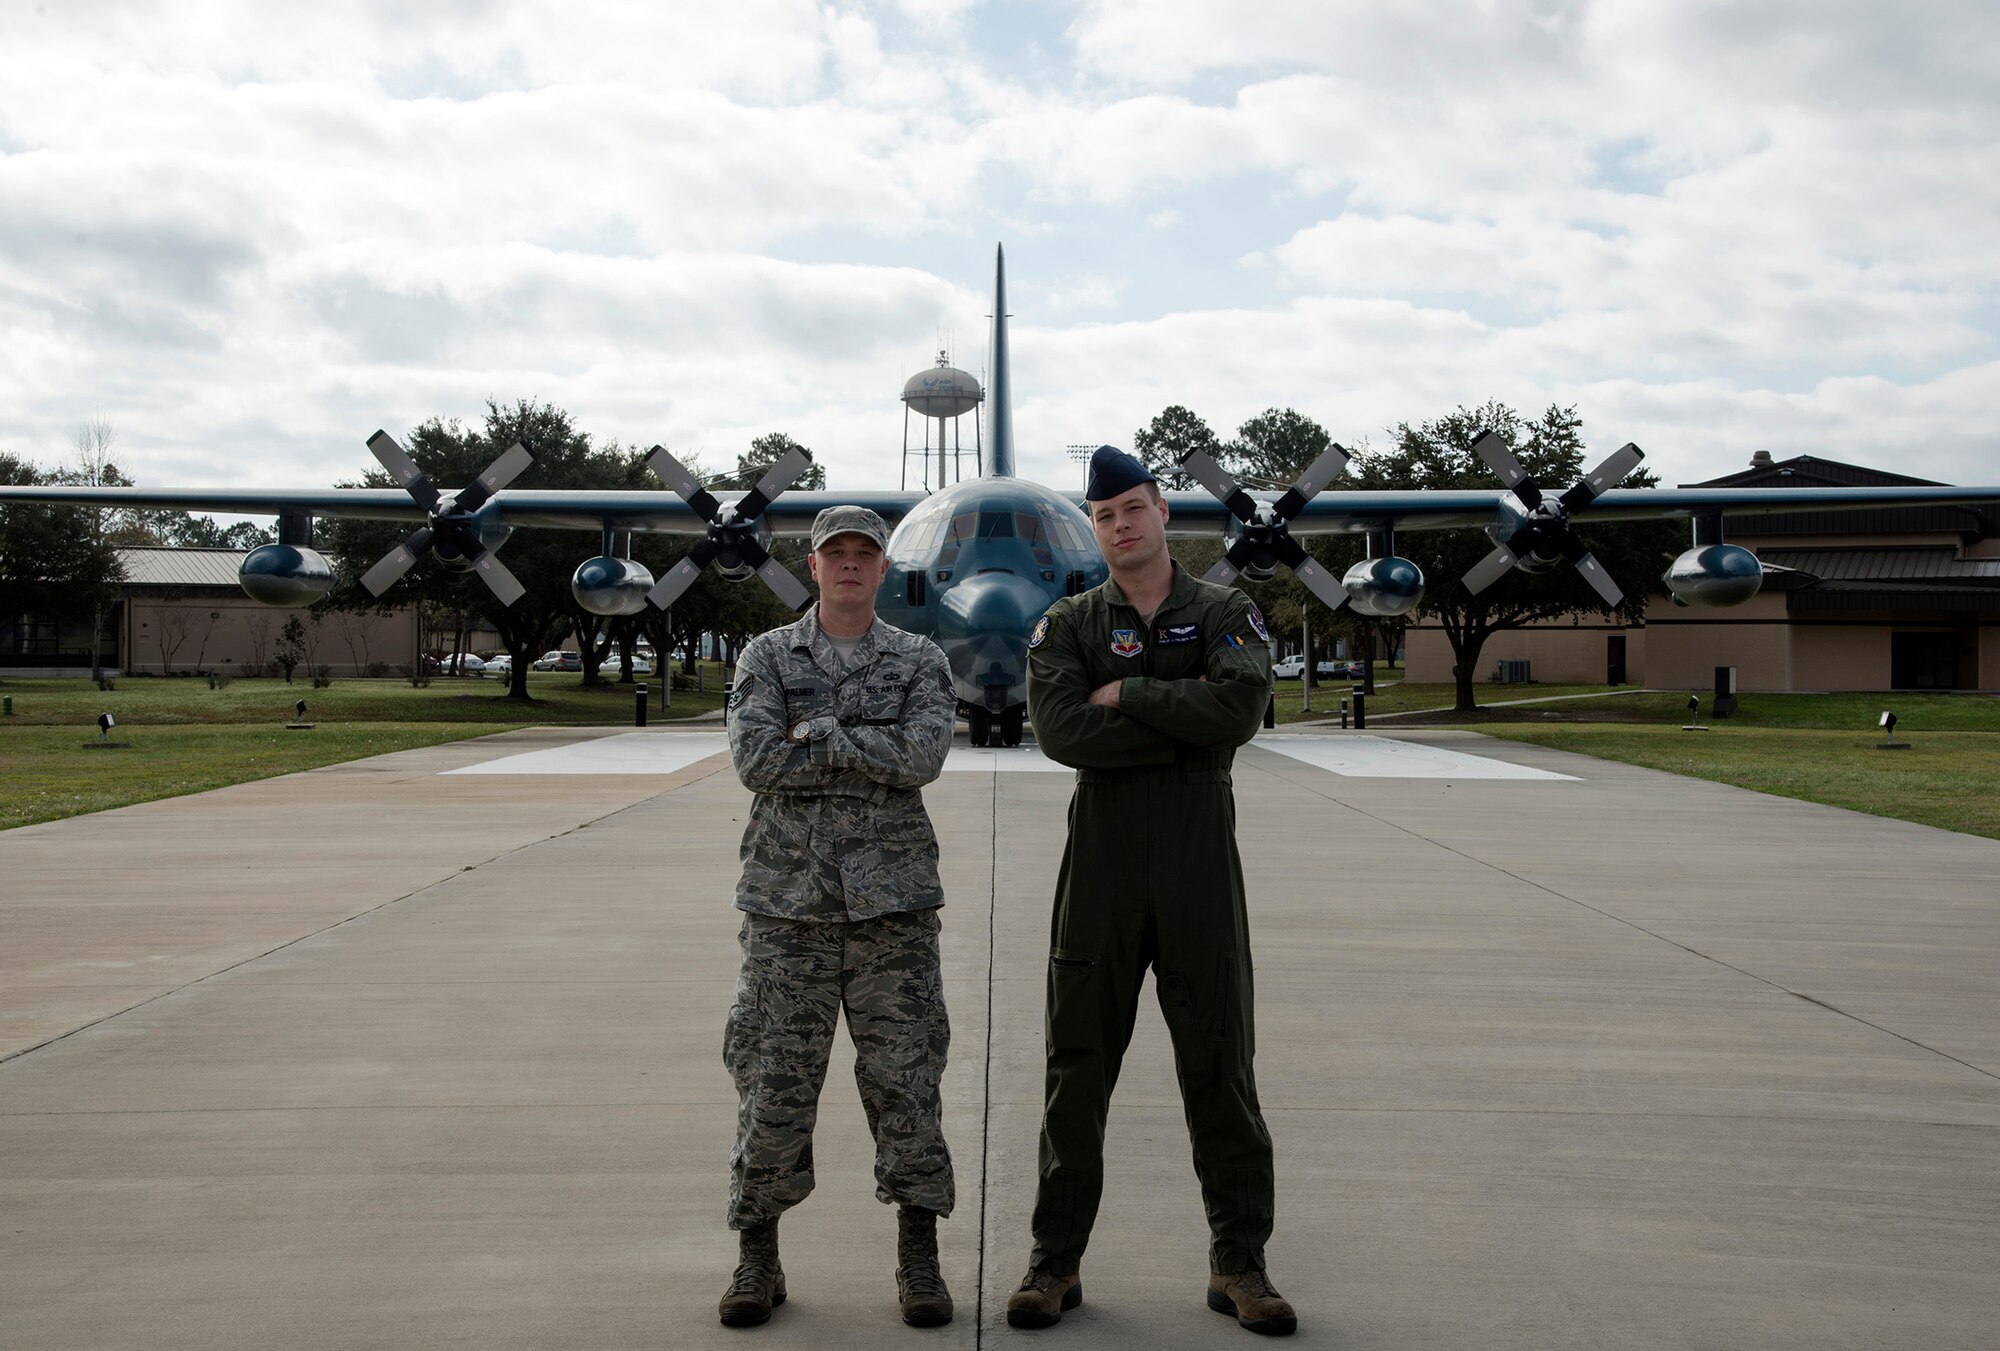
x: 1174, y: 433
x: 1439, y: 455
x: 1276, y: 446
x: 291, y: 649
x: 764, y: 452
x: 53, y: 561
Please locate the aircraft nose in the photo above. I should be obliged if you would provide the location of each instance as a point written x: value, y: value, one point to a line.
x: 983, y: 623
x: 992, y: 605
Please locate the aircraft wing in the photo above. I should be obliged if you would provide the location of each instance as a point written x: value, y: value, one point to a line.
x: 572, y: 509
x: 1335, y: 512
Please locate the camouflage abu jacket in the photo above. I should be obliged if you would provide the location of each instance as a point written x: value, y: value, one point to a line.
x: 838, y: 829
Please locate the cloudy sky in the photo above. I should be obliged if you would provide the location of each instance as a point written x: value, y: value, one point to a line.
x: 248, y: 234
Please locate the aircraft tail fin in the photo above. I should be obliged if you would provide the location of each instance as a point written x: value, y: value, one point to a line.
x: 1000, y: 387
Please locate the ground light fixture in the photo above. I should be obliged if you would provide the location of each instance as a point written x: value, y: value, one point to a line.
x: 298, y: 722
x: 1694, y: 711
x: 1887, y: 723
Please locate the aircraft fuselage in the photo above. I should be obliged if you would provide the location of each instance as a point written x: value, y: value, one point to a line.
x: 973, y: 567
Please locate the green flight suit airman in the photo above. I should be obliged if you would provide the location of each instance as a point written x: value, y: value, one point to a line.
x: 1151, y: 878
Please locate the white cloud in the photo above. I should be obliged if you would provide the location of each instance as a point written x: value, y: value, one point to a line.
x: 250, y: 235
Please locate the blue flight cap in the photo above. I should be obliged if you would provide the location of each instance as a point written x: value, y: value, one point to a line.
x: 1113, y: 473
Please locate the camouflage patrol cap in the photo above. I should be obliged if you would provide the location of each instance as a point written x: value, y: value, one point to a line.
x: 850, y: 521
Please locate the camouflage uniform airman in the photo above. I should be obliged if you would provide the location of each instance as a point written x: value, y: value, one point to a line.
x: 840, y: 885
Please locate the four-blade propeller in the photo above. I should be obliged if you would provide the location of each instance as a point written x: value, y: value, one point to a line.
x: 452, y: 532
x: 1266, y: 540
x: 1546, y: 534
x: 732, y: 533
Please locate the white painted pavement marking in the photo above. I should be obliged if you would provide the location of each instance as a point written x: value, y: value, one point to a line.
x: 1371, y: 757
x: 632, y: 753
x: 1000, y: 759
x: 1365, y: 757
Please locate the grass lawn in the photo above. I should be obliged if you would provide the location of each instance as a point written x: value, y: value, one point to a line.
x: 1947, y: 778
x: 186, y: 738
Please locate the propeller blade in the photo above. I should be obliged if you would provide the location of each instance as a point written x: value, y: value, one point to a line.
x: 1501, y: 461
x: 497, y: 476
x: 683, y: 574
x: 398, y: 561
x: 1226, y: 489
x: 777, y: 478
x: 1616, y: 466
x: 1489, y: 569
x: 675, y: 475
x: 783, y: 584
x: 499, y: 578
x: 1307, y: 569
x: 403, y: 469
x: 1322, y: 471
x: 678, y: 579
x: 1600, y: 580
x: 1223, y: 573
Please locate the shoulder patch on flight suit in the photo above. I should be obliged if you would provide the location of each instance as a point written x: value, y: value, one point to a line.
x: 741, y: 689
x: 1257, y: 622
x: 1125, y: 643
x: 1169, y: 634
x: 1041, y: 632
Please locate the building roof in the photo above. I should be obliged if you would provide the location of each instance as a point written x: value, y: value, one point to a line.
x: 146, y: 565
x: 1940, y: 566
x: 1810, y: 471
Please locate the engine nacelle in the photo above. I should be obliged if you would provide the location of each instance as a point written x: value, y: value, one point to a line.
x: 1384, y: 586
x: 611, y: 586
x: 284, y: 574
x: 1714, y: 575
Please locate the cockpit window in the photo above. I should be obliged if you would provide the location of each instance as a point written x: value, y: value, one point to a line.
x: 1029, y: 528
x: 958, y: 535
x: 1063, y: 531
x: 996, y: 525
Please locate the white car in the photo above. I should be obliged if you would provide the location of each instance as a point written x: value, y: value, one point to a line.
x: 1289, y: 668
x: 500, y: 665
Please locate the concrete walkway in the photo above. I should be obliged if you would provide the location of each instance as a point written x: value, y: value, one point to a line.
x: 385, y: 1056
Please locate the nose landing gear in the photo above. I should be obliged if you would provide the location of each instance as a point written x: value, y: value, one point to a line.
x: 1007, y: 724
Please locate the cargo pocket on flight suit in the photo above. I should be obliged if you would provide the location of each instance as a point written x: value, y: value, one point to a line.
x: 1073, y: 1022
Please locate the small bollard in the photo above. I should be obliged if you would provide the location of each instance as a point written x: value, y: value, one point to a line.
x: 1343, y: 715
x: 1360, y: 709
x: 211, y: 679
x: 8, y: 701
x: 639, y: 711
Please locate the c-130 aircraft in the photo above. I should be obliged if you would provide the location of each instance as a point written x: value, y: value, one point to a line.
x: 974, y: 564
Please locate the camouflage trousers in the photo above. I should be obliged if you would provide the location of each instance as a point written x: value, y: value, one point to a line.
x: 796, y: 978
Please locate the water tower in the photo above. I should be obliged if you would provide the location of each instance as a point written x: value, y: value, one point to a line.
x: 943, y: 394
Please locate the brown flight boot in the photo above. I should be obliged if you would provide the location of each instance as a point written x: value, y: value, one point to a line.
x: 919, y: 1283
x: 1043, y: 1298
x: 1251, y: 1299
x: 759, y: 1284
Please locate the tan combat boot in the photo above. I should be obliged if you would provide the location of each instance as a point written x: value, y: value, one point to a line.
x: 1250, y: 1298
x: 919, y: 1282
x: 1043, y: 1298
x: 759, y: 1283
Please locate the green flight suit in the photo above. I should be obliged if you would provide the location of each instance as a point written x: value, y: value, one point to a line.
x: 1151, y: 878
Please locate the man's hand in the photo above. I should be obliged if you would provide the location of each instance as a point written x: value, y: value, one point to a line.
x: 1106, y: 696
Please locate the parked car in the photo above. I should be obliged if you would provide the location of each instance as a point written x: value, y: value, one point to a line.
x: 500, y: 665
x: 559, y: 661
x: 1288, y: 668
x: 453, y: 663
